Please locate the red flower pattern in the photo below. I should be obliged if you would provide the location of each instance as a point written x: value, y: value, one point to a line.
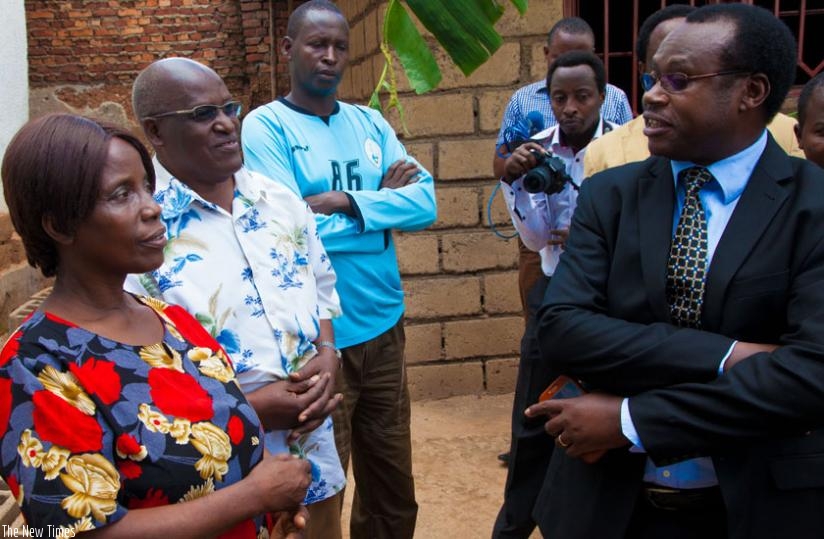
x: 5, y: 405
x: 154, y: 498
x: 127, y: 445
x: 58, y: 422
x: 235, y: 428
x: 116, y: 382
x: 11, y: 348
x: 244, y: 530
x: 189, y: 326
x: 129, y: 469
x: 14, y: 486
x: 98, y: 376
x: 178, y: 394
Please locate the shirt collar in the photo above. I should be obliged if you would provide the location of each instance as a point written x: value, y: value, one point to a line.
x: 555, y: 133
x: 732, y: 173
x: 175, y: 197
x: 540, y: 86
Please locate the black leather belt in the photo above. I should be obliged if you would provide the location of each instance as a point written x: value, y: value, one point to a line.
x: 674, y: 499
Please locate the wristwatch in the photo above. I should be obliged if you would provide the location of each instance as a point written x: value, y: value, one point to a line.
x: 329, y: 344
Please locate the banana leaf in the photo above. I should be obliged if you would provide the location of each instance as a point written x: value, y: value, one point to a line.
x: 464, y: 28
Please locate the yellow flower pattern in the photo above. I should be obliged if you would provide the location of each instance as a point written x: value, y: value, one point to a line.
x: 54, y: 461
x: 83, y: 525
x: 30, y: 450
x: 180, y: 430
x: 66, y: 386
x: 158, y: 355
x: 94, y: 482
x: 198, y: 491
x: 154, y: 421
x: 212, y: 364
x: 85, y: 486
x: 213, y: 444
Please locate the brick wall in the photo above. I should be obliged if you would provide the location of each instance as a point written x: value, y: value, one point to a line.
x: 463, y: 310
x: 84, y: 54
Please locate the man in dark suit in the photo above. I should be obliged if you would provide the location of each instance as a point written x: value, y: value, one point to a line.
x: 691, y: 301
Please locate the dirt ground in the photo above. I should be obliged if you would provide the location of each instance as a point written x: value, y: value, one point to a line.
x: 458, y: 479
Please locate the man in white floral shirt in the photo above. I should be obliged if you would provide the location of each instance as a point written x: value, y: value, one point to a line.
x: 244, y: 257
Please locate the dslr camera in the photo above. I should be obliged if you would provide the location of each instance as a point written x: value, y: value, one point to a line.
x: 549, y: 175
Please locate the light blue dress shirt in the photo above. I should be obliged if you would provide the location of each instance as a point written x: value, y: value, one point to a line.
x: 719, y: 198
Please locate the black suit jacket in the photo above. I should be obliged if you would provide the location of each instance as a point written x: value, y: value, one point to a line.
x: 606, y: 320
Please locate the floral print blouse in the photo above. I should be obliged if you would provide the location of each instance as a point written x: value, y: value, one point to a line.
x: 91, y: 428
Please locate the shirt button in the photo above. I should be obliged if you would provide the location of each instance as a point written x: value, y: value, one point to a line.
x: 667, y: 473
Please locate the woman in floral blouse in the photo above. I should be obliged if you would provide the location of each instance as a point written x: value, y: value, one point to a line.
x: 114, y: 408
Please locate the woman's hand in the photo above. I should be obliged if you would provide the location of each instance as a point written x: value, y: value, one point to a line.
x: 280, y: 482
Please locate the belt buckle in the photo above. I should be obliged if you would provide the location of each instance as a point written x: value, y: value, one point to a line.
x: 657, y: 497
x: 673, y: 499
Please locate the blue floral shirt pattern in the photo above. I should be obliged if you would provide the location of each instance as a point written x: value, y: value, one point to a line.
x: 259, y: 280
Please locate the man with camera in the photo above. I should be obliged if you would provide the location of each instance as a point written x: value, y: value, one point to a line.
x: 540, y: 186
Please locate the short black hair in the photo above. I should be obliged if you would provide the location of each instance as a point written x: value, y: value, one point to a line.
x: 570, y: 25
x: 297, y: 17
x: 649, y: 25
x: 804, y: 97
x: 52, y: 169
x: 577, y: 58
x: 762, y: 44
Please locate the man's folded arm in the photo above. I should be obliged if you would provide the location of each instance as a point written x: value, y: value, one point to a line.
x: 581, y: 339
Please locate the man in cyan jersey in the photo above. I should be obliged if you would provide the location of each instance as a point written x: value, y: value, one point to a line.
x: 347, y: 163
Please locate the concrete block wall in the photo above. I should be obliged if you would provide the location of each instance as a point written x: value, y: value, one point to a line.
x: 463, y: 317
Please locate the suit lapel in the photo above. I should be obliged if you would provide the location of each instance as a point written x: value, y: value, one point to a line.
x: 761, y: 199
x: 656, y: 198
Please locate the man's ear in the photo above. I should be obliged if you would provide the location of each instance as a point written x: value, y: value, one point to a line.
x: 797, y: 129
x: 152, y: 131
x: 756, y: 92
x: 59, y: 237
x: 286, y: 47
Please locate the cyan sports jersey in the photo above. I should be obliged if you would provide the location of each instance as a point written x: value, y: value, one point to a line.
x: 349, y: 153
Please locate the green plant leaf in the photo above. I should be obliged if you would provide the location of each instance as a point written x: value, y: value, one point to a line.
x: 412, y: 50
x: 491, y: 9
x: 520, y: 5
x: 464, y: 31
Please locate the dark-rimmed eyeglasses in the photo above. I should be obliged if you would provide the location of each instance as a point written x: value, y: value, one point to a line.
x: 205, y: 113
x: 678, y: 82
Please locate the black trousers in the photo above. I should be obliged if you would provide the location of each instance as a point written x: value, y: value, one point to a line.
x: 703, y: 522
x: 531, y: 448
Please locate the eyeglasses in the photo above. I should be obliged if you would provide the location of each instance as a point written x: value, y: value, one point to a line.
x: 678, y: 82
x: 205, y: 113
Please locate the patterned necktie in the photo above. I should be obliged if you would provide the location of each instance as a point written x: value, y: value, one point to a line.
x: 687, y: 265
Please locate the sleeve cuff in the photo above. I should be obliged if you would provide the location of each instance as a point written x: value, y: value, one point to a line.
x: 725, y: 358
x: 357, y: 211
x: 628, y: 427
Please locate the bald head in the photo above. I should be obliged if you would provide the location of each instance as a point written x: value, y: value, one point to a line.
x: 200, y: 150
x: 161, y: 86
